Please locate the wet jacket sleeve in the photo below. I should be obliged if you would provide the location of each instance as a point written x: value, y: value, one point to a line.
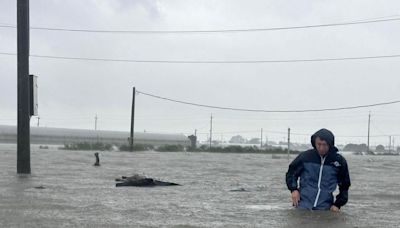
x: 344, y: 185
x: 294, y: 172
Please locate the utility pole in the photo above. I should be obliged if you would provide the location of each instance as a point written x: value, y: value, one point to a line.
x: 24, y: 112
x: 132, y: 120
x: 394, y: 147
x: 211, y: 130
x: 288, y: 144
x: 390, y: 144
x: 261, y: 139
x: 369, y: 125
x: 95, y: 123
x: 38, y: 119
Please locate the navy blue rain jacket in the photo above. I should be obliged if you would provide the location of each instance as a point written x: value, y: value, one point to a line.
x: 319, y: 176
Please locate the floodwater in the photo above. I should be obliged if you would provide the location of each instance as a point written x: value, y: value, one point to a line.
x: 77, y: 194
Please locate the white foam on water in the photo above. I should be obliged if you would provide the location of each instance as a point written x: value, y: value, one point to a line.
x: 269, y: 207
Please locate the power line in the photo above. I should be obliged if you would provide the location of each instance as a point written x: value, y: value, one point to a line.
x: 265, y: 131
x: 298, y: 134
x: 209, y: 61
x: 269, y: 111
x: 208, y: 31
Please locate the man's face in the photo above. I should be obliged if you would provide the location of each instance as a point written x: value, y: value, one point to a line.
x: 322, y: 146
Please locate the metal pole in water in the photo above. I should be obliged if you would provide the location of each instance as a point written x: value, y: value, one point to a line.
x: 132, y: 120
x: 24, y: 112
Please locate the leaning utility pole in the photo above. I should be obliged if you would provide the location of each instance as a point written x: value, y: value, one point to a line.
x: 132, y: 120
x: 24, y: 108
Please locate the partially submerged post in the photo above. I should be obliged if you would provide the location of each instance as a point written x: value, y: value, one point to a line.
x: 97, y: 159
x: 24, y: 108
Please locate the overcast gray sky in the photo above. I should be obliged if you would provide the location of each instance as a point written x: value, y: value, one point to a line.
x: 72, y: 92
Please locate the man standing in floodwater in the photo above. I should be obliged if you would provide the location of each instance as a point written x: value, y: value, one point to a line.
x: 320, y: 171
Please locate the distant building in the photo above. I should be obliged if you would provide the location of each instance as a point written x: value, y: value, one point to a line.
x: 238, y: 139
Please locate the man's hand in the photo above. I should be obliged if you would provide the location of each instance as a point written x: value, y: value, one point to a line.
x: 295, y: 198
x: 335, y: 209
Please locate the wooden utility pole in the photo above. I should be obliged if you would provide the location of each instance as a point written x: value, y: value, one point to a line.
x: 211, y: 130
x: 394, y: 147
x: 95, y: 123
x: 24, y: 110
x: 288, y: 144
x: 369, y: 125
x: 131, y: 138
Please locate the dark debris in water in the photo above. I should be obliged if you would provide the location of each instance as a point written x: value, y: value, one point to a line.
x: 40, y: 187
x: 141, y: 181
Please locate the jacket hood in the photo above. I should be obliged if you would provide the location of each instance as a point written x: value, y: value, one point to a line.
x: 327, y: 136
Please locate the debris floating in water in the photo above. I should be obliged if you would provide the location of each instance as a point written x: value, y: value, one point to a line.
x: 141, y: 181
x: 40, y: 187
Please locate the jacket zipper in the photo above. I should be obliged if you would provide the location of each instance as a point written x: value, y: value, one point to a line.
x: 319, y: 181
